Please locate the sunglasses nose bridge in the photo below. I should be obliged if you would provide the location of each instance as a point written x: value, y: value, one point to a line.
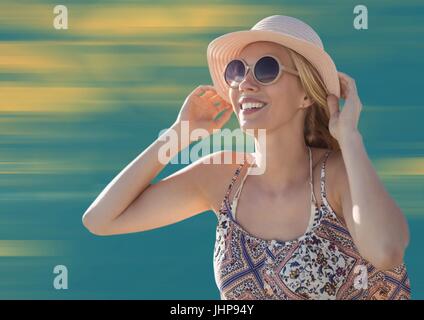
x: 248, y: 82
x: 249, y: 68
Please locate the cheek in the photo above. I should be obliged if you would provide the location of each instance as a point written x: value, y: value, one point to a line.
x: 286, y: 95
x: 232, y: 94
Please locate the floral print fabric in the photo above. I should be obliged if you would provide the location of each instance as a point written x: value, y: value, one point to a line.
x: 322, y: 264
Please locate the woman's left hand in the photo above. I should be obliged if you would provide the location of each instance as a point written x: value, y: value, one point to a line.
x: 345, y: 122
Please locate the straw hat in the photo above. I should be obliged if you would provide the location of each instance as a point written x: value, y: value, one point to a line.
x: 287, y: 31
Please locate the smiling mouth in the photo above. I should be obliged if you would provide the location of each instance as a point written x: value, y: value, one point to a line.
x: 250, y: 106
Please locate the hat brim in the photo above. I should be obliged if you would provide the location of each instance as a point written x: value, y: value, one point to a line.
x: 228, y: 46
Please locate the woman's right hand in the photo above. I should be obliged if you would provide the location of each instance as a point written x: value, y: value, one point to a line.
x: 201, y: 107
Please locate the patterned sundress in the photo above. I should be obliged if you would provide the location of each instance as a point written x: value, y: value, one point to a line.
x: 323, y: 263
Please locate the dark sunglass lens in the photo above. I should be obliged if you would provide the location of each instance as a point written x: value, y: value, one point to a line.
x: 266, y: 69
x: 234, y: 73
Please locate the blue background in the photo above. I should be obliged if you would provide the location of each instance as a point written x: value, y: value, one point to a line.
x: 77, y: 105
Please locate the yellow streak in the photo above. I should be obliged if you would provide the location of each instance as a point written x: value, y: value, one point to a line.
x: 21, y: 248
x: 412, y: 166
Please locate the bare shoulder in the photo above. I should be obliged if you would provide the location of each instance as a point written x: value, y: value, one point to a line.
x: 336, y: 179
x: 217, y: 170
x: 213, y: 173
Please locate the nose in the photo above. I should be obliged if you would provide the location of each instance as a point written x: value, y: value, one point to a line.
x: 249, y: 82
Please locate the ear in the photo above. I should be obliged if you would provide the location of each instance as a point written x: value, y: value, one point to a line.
x: 306, y: 102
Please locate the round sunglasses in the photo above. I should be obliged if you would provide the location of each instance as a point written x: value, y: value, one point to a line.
x: 266, y: 71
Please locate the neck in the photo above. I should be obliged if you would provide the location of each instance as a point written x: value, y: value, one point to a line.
x: 283, y: 158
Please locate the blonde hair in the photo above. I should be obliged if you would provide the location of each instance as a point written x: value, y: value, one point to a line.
x: 316, y: 131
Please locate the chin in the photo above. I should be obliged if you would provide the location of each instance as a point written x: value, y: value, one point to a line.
x: 251, y: 124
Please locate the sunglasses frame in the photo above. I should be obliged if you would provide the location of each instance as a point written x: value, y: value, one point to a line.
x: 248, y: 67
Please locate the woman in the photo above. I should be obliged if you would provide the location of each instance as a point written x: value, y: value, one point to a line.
x: 347, y: 243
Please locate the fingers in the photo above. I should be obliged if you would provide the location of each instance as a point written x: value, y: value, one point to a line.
x: 349, y: 92
x: 343, y: 88
x: 209, y: 93
x: 203, y: 89
x: 348, y: 85
x: 333, y: 104
x: 219, y: 103
x: 345, y: 77
x: 225, y: 116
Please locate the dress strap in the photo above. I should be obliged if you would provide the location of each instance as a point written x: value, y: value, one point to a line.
x: 311, y: 178
x: 234, y: 178
x: 237, y: 194
x: 322, y: 181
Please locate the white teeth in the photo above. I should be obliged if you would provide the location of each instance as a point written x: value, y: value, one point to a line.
x: 252, y: 105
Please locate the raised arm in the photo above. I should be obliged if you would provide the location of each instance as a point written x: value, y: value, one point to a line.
x: 376, y: 223
x: 131, y: 203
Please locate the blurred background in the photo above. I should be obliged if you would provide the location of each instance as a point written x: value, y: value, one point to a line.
x: 77, y: 105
